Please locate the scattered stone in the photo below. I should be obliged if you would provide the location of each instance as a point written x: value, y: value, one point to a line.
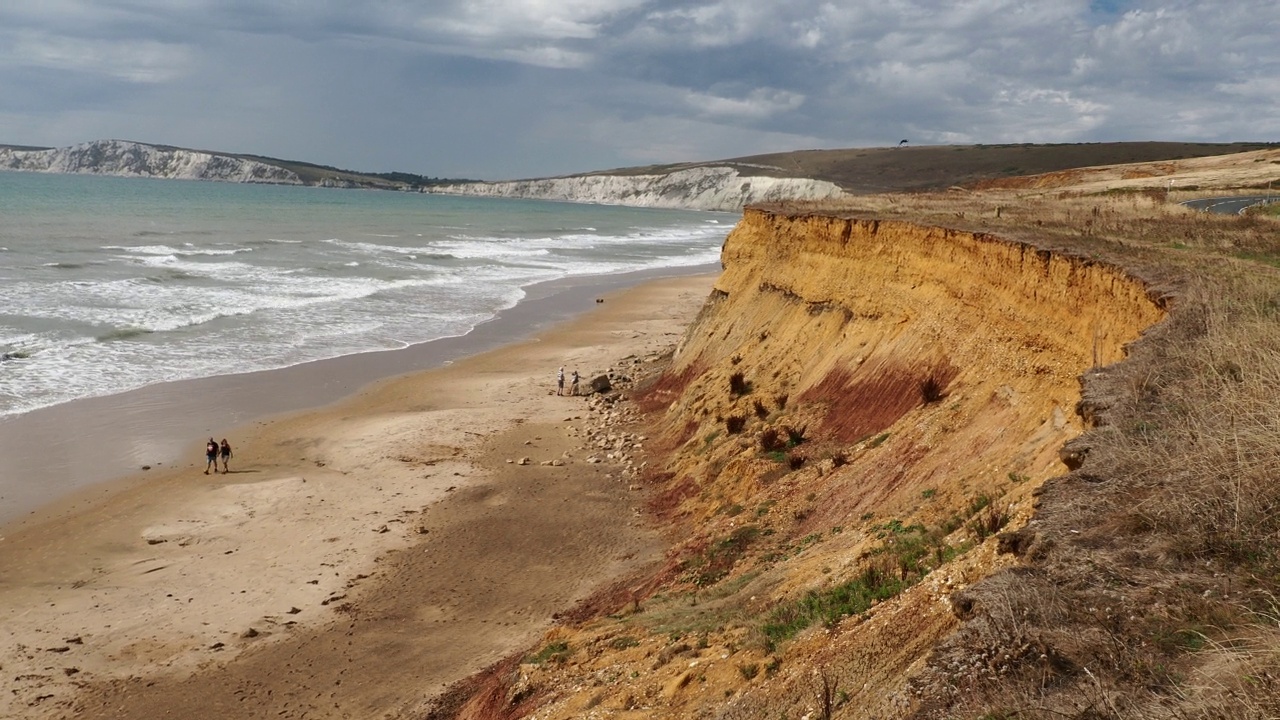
x: 524, y: 461
x: 146, y: 467
x: 250, y: 633
x: 294, y: 610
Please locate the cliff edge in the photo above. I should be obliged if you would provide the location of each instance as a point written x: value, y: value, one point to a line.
x: 860, y: 417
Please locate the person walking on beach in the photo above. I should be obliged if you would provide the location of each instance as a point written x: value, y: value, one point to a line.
x: 573, y: 389
x: 225, y: 451
x: 211, y: 456
x: 560, y: 381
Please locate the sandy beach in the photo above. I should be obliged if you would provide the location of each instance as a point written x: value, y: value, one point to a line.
x: 359, y: 557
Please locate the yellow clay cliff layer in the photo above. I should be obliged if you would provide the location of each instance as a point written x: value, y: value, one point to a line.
x: 923, y: 377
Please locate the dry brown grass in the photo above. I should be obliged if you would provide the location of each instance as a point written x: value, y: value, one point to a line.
x: 1142, y: 225
x: 1206, y: 416
x: 1162, y: 553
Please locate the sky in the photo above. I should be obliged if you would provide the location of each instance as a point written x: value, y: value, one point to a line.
x: 505, y: 89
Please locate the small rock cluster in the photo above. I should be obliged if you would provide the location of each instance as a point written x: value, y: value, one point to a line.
x: 605, y: 433
x: 608, y: 443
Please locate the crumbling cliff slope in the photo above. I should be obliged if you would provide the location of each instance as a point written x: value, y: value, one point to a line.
x: 859, y: 412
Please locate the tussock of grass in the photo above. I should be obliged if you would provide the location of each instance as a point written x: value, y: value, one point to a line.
x: 555, y: 652
x: 907, y: 555
x: 830, y: 605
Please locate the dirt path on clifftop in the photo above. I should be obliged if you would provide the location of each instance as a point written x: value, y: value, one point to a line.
x: 499, y: 558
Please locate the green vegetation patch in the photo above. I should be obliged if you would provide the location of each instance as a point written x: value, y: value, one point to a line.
x: 713, y: 563
x: 828, y: 606
x: 622, y: 642
x: 554, y: 652
x: 906, y: 555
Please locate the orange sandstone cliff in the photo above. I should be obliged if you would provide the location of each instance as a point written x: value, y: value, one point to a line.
x: 845, y: 439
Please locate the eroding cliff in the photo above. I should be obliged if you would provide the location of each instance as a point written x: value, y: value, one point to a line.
x: 130, y: 159
x: 853, y: 427
x: 859, y: 315
x: 698, y: 188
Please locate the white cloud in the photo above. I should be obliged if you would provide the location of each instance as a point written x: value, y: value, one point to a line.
x: 520, y: 20
x: 144, y: 61
x: 547, y: 56
x: 732, y: 74
x: 756, y: 104
x: 1265, y: 89
x: 663, y: 139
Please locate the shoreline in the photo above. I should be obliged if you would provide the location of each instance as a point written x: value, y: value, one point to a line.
x: 389, y: 543
x: 64, y: 451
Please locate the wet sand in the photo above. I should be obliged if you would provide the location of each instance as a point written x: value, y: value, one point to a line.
x: 360, y: 556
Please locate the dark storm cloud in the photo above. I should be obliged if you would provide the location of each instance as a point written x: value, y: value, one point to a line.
x: 506, y: 88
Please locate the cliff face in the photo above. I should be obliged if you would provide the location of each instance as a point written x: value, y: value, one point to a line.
x: 129, y: 159
x: 701, y: 188
x: 859, y: 412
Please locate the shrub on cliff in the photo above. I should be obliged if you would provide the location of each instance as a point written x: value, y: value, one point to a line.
x: 771, y: 440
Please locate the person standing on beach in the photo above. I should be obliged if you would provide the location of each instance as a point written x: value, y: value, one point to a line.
x: 211, y: 456
x: 225, y: 450
x: 560, y: 381
x: 573, y: 389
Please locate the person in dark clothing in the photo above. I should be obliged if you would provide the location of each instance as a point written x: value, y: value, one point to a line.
x: 211, y: 456
x: 225, y: 451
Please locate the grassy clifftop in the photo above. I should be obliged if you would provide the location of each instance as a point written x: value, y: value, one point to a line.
x: 862, y: 171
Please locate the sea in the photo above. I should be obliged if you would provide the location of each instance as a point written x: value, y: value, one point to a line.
x: 108, y: 284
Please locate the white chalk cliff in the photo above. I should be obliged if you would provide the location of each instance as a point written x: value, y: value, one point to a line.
x: 699, y: 187
x: 131, y: 159
x: 713, y: 187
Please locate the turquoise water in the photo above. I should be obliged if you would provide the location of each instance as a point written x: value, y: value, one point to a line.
x: 108, y: 284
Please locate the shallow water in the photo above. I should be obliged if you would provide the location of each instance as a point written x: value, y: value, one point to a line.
x: 109, y: 284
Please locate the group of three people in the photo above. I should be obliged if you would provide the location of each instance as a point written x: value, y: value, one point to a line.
x: 211, y: 452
